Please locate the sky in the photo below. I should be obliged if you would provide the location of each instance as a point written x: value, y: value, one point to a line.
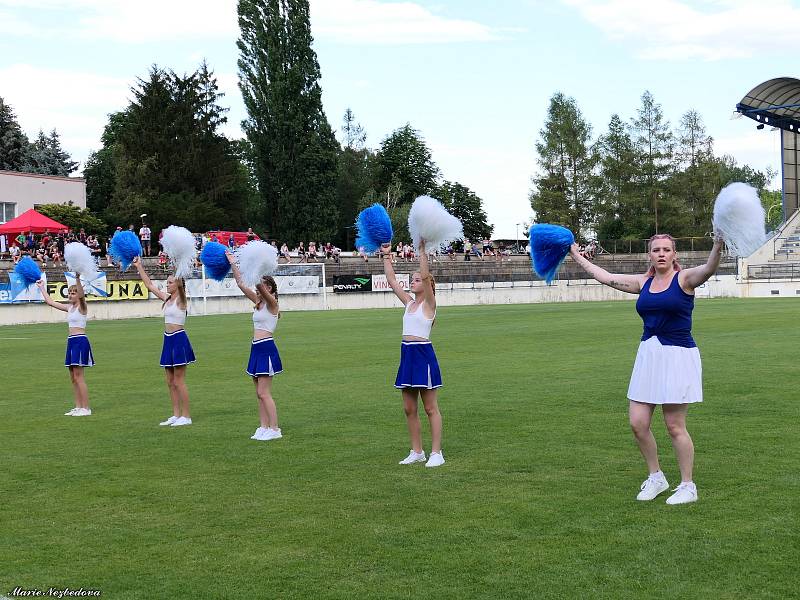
x: 473, y: 77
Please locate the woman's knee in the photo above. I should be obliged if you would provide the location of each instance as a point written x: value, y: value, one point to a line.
x: 640, y: 427
x: 676, y: 428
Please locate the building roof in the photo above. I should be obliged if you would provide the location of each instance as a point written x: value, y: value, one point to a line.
x: 40, y: 176
x: 775, y: 103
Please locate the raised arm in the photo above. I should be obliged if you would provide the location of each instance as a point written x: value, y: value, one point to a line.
x: 148, y: 283
x: 631, y: 284
x: 425, y: 275
x: 48, y: 300
x: 697, y: 276
x: 391, y: 278
x: 237, y: 275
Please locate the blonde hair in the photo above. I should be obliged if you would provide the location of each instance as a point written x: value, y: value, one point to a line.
x: 81, y: 299
x: 181, y: 294
x: 270, y: 281
x: 662, y: 236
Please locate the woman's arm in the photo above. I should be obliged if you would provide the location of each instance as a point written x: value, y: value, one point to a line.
x: 237, y: 275
x: 425, y: 275
x: 79, y: 288
x: 161, y: 295
x: 697, y: 276
x: 631, y: 284
x: 391, y: 278
x: 48, y: 300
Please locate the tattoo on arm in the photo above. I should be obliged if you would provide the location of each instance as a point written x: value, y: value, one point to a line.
x: 620, y: 284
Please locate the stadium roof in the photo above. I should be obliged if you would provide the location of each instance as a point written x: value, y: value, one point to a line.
x: 775, y: 103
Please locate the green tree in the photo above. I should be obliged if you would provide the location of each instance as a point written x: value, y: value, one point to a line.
x: 618, y: 215
x: 74, y: 217
x: 353, y: 175
x: 294, y: 147
x: 464, y: 204
x: 653, y: 141
x: 404, y: 167
x: 163, y: 156
x: 47, y: 157
x: 13, y: 142
x: 563, y: 192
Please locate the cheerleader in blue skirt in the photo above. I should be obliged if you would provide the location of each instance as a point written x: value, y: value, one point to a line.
x: 418, y: 374
x: 79, y: 351
x: 667, y: 371
x: 265, y: 362
x: 176, y: 351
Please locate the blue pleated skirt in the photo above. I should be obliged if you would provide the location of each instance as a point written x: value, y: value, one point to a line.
x: 79, y: 352
x: 264, y: 359
x: 176, y: 351
x: 418, y: 366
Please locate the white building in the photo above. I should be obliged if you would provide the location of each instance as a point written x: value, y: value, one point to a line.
x: 22, y: 191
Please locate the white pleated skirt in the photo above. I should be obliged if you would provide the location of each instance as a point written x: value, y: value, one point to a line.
x: 666, y: 374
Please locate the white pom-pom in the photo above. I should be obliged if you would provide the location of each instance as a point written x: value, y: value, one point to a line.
x: 179, y: 246
x: 256, y: 259
x: 428, y: 220
x: 739, y: 219
x: 79, y: 259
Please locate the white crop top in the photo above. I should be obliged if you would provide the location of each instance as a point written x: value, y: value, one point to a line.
x: 263, y: 320
x: 75, y: 319
x: 415, y: 323
x: 173, y: 315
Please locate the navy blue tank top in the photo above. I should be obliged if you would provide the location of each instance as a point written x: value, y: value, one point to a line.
x: 667, y: 315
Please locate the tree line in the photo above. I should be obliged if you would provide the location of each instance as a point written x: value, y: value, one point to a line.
x: 638, y: 178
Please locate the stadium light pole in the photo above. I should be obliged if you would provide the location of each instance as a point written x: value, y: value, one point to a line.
x: 518, y: 224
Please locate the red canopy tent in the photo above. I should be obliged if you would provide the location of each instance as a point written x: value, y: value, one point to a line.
x: 33, y: 221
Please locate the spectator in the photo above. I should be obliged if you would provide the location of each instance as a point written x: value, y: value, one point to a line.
x: 362, y: 252
x: 82, y: 236
x: 15, y: 253
x: 487, y: 247
x: 467, y: 249
x: 144, y: 236
x: 476, y: 250
x: 46, y: 239
x: 399, y: 250
x: 301, y: 252
x: 328, y: 250
x: 451, y: 253
x: 285, y: 253
x: 20, y: 240
x: 336, y: 252
x: 109, y: 261
x: 231, y: 241
x: 162, y: 260
x: 312, y: 252
x: 30, y: 242
x: 250, y: 234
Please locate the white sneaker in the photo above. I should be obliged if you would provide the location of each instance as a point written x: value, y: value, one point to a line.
x: 413, y: 457
x: 169, y: 421
x: 653, y: 486
x: 82, y: 412
x: 686, y: 492
x: 270, y: 434
x: 69, y: 413
x: 436, y: 459
x: 259, y: 432
x: 181, y: 421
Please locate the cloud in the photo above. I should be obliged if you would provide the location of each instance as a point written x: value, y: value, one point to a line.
x: 73, y: 102
x: 707, y: 30
x: 374, y: 22
x: 759, y: 149
x: 145, y: 21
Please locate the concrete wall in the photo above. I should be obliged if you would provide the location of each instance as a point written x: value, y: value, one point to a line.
x: 725, y: 286
x: 26, y: 190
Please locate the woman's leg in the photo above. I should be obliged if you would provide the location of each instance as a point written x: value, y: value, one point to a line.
x: 431, y: 404
x: 412, y: 418
x: 181, y: 391
x: 675, y: 420
x: 79, y: 387
x: 641, y: 415
x: 169, y: 374
x: 267, y: 410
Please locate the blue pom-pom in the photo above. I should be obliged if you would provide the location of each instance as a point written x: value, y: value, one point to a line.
x: 549, y: 247
x: 215, y: 260
x: 374, y: 228
x: 124, y: 247
x: 28, y: 270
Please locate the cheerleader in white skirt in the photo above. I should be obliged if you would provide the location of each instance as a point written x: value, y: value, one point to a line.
x: 667, y: 371
x: 79, y: 351
x: 418, y: 374
x: 176, y: 350
x: 265, y: 362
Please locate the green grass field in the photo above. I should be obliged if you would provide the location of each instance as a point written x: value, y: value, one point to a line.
x: 536, y: 499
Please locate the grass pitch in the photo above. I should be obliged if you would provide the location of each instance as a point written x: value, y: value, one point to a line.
x: 536, y: 499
